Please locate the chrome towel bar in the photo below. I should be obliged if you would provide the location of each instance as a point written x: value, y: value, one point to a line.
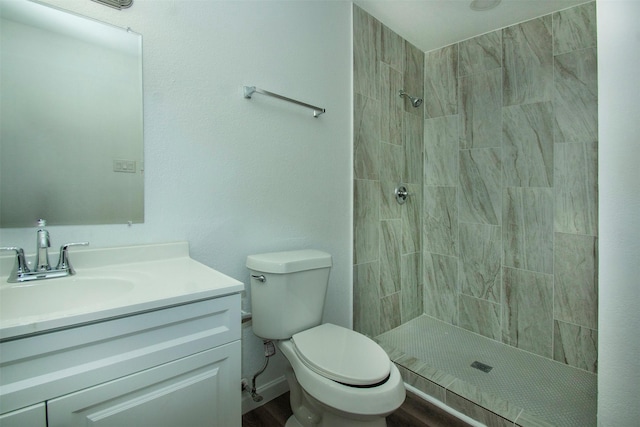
x: 250, y: 90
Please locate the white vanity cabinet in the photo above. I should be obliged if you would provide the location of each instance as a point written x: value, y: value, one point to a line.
x: 193, y: 391
x: 174, y: 366
x: 32, y: 416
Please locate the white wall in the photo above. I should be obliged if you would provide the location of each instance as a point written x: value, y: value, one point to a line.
x: 619, y: 228
x: 235, y: 176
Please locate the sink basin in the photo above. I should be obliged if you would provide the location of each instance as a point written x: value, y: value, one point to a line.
x: 56, y: 295
x: 109, y: 283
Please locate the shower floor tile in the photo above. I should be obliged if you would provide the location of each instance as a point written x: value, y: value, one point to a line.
x: 532, y: 387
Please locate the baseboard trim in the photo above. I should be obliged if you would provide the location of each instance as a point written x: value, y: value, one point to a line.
x: 268, y: 391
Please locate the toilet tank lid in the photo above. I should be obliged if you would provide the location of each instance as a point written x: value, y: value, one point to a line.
x: 289, y: 261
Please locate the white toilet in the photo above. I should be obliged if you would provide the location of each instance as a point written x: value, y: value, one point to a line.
x: 337, y: 377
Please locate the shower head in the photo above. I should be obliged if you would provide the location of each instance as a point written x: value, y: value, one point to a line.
x: 416, y: 102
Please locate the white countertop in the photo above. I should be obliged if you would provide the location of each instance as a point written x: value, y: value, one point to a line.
x: 119, y: 281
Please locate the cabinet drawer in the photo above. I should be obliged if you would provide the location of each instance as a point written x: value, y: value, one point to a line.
x: 196, y: 391
x: 38, y: 368
x: 33, y: 416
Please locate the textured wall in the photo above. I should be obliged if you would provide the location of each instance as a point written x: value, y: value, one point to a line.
x: 387, y: 151
x: 510, y: 190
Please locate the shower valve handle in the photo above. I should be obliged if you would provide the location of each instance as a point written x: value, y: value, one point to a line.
x: 401, y: 194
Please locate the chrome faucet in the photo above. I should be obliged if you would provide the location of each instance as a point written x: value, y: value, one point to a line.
x: 42, y: 248
x: 42, y: 268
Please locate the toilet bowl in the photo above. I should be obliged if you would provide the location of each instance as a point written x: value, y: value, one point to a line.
x: 374, y: 391
x: 337, y: 377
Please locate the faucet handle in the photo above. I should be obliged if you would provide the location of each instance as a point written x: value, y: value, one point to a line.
x: 20, y: 266
x: 63, y: 261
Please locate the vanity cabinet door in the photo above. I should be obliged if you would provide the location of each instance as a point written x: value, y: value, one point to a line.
x: 198, y: 390
x: 32, y: 416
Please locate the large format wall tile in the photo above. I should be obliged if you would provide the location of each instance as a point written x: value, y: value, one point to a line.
x: 413, y: 142
x: 388, y: 145
x: 574, y: 28
x: 480, y: 186
x: 366, y: 47
x: 413, y: 77
x: 391, y: 162
x: 479, y: 260
x: 499, y: 233
x: 576, y: 279
x: 366, y: 221
x: 576, y: 188
x: 411, y: 294
x: 480, y: 110
x: 389, y: 208
x: 576, y: 96
x: 440, y: 290
x: 390, y: 243
x: 482, y: 53
x: 527, y: 71
x: 441, y: 82
x: 391, y: 105
x: 527, y: 229
x: 528, y: 311
x: 440, y: 216
x: 576, y: 346
x: 390, y: 312
x: 441, y: 151
x: 479, y: 316
x: 411, y: 215
x: 366, y: 144
x: 392, y: 49
x: 527, y: 143
x: 366, y: 298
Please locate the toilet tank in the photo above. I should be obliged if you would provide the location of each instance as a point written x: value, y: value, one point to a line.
x: 291, y: 297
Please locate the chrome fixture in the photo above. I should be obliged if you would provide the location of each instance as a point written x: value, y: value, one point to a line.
x: 269, y: 350
x: 416, y: 102
x: 259, y: 277
x: 250, y: 90
x: 42, y: 268
x: 401, y: 194
x: 116, y: 4
x: 42, y: 248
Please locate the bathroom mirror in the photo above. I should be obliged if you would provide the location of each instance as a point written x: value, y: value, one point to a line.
x: 71, y: 136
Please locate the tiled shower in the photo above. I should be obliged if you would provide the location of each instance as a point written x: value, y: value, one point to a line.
x: 499, y: 234
x: 388, y: 140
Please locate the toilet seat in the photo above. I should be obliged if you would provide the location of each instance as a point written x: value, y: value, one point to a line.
x: 380, y: 400
x: 342, y: 355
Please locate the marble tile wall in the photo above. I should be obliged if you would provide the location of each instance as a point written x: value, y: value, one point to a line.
x: 509, y: 223
x: 388, y: 144
x: 499, y: 235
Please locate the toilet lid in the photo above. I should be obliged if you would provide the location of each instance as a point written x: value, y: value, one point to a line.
x: 342, y: 355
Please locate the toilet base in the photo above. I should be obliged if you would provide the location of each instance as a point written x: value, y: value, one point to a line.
x: 293, y: 422
x: 309, y: 412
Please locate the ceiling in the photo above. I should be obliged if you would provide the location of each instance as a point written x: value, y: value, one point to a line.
x: 431, y: 24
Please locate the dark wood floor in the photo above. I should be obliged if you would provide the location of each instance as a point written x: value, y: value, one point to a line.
x: 414, y: 412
